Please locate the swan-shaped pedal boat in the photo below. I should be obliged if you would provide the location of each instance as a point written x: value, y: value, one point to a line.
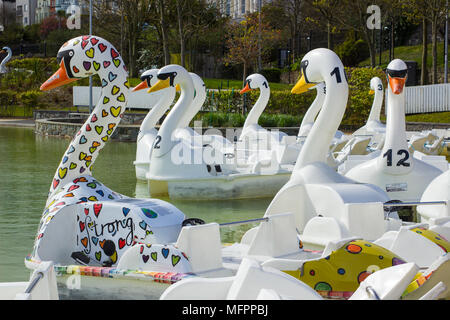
x: 8, y: 51
x: 84, y: 220
x: 147, y: 131
x: 326, y: 205
x: 395, y: 170
x: 183, y: 170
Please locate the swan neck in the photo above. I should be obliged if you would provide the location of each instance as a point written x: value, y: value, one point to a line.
x: 327, y: 123
x: 258, y: 108
x: 375, y: 111
x: 173, y: 119
x: 158, y: 110
x: 311, y: 113
x: 96, y: 131
x: 197, y: 103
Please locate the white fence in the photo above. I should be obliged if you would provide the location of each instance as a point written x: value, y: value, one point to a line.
x: 425, y: 99
x: 138, y: 99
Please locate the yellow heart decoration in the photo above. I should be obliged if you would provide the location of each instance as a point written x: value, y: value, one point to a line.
x: 62, y: 172
x: 115, y: 90
x: 90, y: 53
x: 115, y: 111
x: 121, y: 98
x: 82, y: 155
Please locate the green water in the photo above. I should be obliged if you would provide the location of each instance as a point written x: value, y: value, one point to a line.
x: 27, y: 165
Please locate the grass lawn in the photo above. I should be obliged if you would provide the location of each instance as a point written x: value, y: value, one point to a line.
x: 225, y: 84
x: 435, y: 117
x: 409, y: 53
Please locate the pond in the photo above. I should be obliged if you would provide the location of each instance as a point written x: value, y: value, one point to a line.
x: 27, y: 165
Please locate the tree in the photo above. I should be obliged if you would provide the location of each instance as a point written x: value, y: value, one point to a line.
x: 48, y: 25
x: 242, y: 42
x: 326, y: 10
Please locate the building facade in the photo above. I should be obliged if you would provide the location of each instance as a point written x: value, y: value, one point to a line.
x: 7, y: 13
x: 237, y: 9
x: 25, y: 12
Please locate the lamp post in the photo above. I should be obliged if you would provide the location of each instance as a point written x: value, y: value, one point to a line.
x: 90, y: 77
x: 446, y: 44
x: 259, y: 37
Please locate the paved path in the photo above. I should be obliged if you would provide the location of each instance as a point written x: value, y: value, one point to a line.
x: 17, y: 122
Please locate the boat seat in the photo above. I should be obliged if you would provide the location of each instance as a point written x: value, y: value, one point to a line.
x: 196, y: 241
x: 386, y: 284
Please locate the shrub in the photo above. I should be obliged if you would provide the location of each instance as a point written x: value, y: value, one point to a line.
x: 272, y: 74
x: 352, y: 52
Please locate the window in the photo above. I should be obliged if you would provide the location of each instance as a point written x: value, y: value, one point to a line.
x: 25, y: 21
x: 25, y: 8
x: 242, y: 6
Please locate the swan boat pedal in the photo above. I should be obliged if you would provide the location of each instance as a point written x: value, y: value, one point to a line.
x: 84, y: 221
x: 183, y: 170
x: 402, y: 176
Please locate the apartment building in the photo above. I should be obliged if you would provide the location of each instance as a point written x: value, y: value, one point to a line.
x: 237, y: 9
x: 25, y: 12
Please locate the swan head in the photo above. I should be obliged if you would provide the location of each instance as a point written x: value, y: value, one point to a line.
x: 148, y: 78
x: 81, y: 57
x: 397, y: 73
x: 171, y: 76
x: 375, y: 84
x: 5, y: 49
x: 254, y: 81
x: 318, y: 65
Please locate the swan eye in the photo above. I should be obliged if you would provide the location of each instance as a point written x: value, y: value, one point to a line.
x: 303, y: 66
x: 397, y: 73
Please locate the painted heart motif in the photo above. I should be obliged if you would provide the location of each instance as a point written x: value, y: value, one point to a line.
x: 111, y: 76
x: 98, y: 255
x: 102, y: 243
x: 69, y: 195
x: 73, y: 187
x: 86, y: 211
x: 93, y: 118
x: 100, y: 192
x: 84, y: 43
x: 96, y: 65
x: 115, y: 90
x: 104, y: 83
x: 64, y: 160
x: 105, y: 100
x: 116, y: 62
x: 82, y: 226
x: 125, y: 211
x: 106, y: 64
x: 85, y: 37
x: 84, y: 241
x: 141, y: 249
x: 115, y: 111
x: 102, y: 47
x: 121, y: 98
x: 82, y: 155
x: 94, y: 41
x: 94, y: 240
x: 76, y: 42
x: 114, y: 53
x: 55, y: 183
x: 82, y: 169
x: 104, y: 113
x: 97, y: 209
x: 154, y: 256
x: 92, y: 198
x: 62, y: 172
x: 71, y: 149
x: 75, y: 69
x: 145, y: 258
x: 99, y: 129
x: 165, y: 252
x: 72, y: 165
x: 90, y: 53
x: 122, y: 243
x: 111, y: 125
x: 105, y: 138
x: 127, y: 84
x: 149, y: 213
x: 88, y: 127
x: 88, y: 158
x: 86, y: 65
x: 175, y: 260
x: 92, y: 149
x: 143, y: 225
x: 95, y: 144
x: 83, y: 139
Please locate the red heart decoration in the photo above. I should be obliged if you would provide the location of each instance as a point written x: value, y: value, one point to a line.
x: 84, y: 44
x: 94, y: 41
x: 114, y: 53
x: 85, y: 37
x: 94, y: 118
x: 55, y: 183
x: 88, y: 127
x: 82, y: 226
x: 73, y: 187
x: 121, y: 243
x: 106, y: 64
x: 97, y: 209
x: 75, y: 69
x: 86, y: 211
x: 102, y: 47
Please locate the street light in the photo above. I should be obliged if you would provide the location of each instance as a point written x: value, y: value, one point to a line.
x: 90, y: 77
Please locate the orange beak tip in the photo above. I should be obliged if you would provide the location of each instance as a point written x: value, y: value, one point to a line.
x: 245, y: 89
x: 140, y: 86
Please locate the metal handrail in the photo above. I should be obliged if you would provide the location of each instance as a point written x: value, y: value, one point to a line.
x: 371, y: 292
x: 413, y: 203
x: 34, y: 282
